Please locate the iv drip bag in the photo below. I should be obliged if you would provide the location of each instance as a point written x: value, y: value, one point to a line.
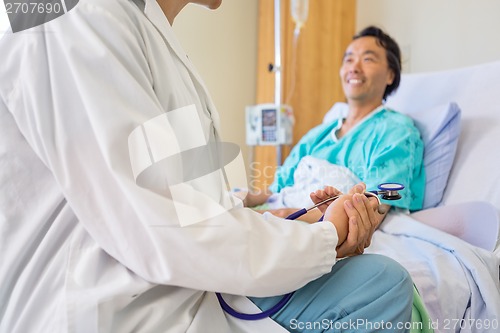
x: 300, y: 10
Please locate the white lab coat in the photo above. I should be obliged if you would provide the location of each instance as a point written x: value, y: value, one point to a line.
x: 83, y: 248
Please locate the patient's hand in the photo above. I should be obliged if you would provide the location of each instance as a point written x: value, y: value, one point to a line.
x: 329, y: 192
x: 354, y: 217
x: 323, y: 194
x: 283, y: 212
x: 252, y: 199
x: 336, y: 214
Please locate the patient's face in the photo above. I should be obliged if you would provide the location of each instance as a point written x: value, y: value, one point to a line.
x: 365, y: 72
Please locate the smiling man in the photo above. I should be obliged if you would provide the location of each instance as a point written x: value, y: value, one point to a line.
x: 369, y: 141
x: 371, y: 70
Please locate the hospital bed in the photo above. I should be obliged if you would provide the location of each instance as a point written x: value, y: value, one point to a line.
x: 451, y: 248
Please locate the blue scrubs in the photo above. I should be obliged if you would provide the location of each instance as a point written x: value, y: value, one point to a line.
x: 368, y: 293
x: 384, y: 147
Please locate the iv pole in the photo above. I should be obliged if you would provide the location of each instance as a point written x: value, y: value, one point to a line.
x: 299, y: 10
x: 277, y: 65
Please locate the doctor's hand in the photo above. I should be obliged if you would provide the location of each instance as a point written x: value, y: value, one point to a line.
x: 323, y: 194
x: 330, y: 191
x: 363, y: 221
x: 353, y: 215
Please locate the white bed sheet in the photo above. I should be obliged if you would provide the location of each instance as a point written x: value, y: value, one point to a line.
x: 455, y: 261
x: 457, y: 281
x: 452, y: 251
x: 458, y: 277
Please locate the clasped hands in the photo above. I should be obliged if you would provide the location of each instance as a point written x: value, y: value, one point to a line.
x: 354, y: 215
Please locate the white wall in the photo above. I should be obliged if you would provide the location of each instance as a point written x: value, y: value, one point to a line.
x: 437, y: 34
x: 223, y: 46
x: 433, y: 35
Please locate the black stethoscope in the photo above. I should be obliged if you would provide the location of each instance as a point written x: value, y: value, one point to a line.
x: 388, y: 191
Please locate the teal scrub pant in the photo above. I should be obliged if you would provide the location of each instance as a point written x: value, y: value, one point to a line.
x: 366, y: 293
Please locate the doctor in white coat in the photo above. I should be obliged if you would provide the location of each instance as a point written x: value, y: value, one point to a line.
x: 110, y: 223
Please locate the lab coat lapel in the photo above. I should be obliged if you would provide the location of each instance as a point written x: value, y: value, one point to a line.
x: 156, y: 16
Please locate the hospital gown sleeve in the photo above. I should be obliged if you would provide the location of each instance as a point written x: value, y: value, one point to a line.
x: 284, y: 175
x: 397, y: 156
x: 95, y: 76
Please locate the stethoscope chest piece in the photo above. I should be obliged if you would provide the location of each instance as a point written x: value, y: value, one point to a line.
x: 390, y: 191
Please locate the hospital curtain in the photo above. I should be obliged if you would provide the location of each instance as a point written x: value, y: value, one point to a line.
x: 313, y: 72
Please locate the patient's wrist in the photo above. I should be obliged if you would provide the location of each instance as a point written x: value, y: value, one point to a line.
x: 253, y: 199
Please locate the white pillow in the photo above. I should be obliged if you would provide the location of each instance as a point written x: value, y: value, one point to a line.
x: 462, y: 220
x: 336, y: 111
x: 475, y: 175
x: 440, y: 129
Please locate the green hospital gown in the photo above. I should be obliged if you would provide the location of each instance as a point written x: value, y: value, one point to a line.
x: 384, y: 147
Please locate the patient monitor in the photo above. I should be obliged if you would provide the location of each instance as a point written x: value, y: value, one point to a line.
x: 268, y: 125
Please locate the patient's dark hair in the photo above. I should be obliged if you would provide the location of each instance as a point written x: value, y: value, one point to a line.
x: 392, y: 51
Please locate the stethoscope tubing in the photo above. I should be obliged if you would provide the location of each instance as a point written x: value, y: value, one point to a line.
x: 282, y: 302
x: 254, y: 316
x: 302, y: 211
